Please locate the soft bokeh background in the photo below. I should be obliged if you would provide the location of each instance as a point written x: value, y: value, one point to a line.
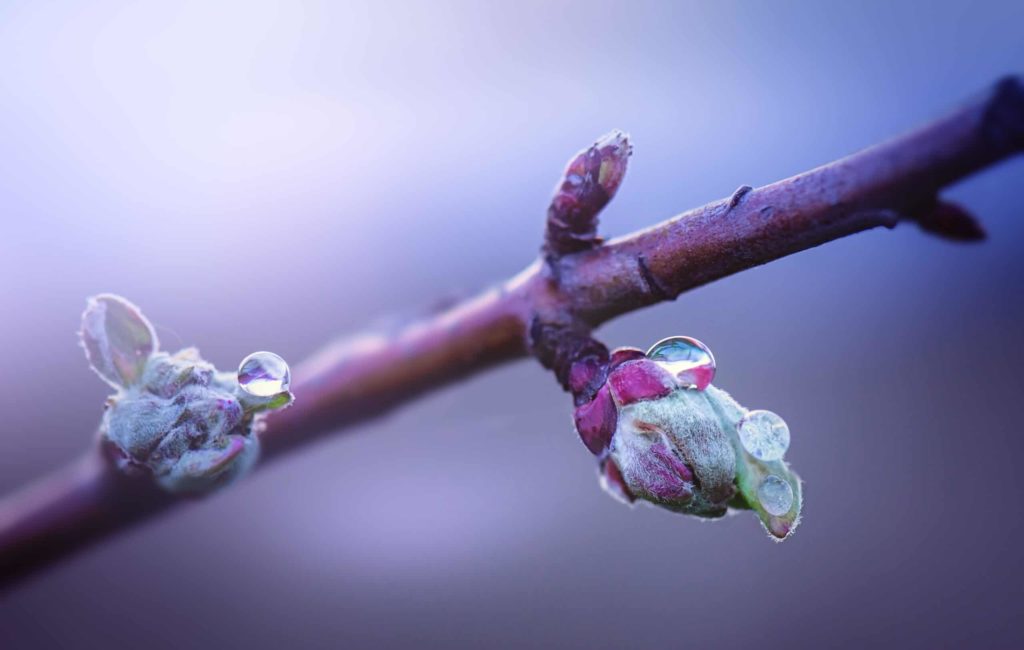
x: 262, y: 175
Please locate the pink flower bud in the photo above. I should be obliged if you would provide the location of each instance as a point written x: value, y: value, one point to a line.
x: 588, y: 183
x: 681, y: 449
x: 675, y: 451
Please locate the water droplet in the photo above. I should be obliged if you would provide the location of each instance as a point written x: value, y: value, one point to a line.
x: 775, y: 495
x: 264, y: 374
x: 687, y: 358
x: 764, y: 435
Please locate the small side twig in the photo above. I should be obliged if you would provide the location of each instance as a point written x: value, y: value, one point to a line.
x: 550, y: 308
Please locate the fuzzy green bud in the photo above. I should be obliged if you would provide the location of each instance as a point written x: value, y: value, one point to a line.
x: 174, y: 416
x: 683, y: 451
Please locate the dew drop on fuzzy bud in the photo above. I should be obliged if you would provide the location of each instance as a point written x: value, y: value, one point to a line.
x: 264, y: 374
x: 764, y: 435
x: 775, y: 495
x: 689, y: 360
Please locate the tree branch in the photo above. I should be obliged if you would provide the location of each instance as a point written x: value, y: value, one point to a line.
x: 549, y: 308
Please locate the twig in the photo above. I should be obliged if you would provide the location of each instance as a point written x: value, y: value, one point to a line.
x: 549, y: 308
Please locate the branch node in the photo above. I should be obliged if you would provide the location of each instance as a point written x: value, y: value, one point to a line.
x: 654, y: 288
x: 738, y: 195
x: 579, y: 361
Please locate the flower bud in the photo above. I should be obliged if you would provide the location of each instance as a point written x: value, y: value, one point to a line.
x: 673, y: 451
x: 588, y: 183
x: 662, y: 442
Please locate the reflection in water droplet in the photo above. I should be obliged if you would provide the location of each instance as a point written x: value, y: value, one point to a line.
x: 764, y: 435
x: 264, y: 374
x: 775, y: 495
x: 687, y: 358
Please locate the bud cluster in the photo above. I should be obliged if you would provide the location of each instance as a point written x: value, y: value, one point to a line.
x: 173, y: 416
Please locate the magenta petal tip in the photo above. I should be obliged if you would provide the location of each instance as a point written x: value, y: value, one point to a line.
x: 638, y: 380
x: 622, y: 355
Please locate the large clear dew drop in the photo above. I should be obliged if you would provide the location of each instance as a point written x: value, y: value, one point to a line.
x: 687, y: 358
x: 264, y: 374
x: 775, y: 495
x: 764, y: 435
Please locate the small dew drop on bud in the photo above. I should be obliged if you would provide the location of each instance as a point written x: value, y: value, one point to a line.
x: 775, y: 495
x: 764, y: 435
x: 264, y: 374
x: 687, y: 358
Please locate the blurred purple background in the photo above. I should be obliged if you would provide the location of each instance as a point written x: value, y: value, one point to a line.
x: 262, y: 175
